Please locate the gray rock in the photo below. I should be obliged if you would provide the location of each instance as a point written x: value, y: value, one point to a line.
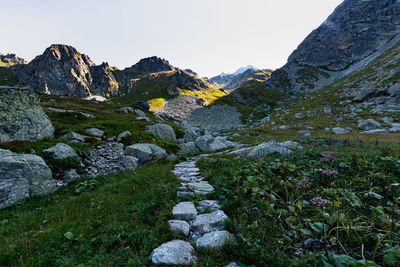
x: 211, y: 205
x: 124, y: 134
x: 23, y: 176
x: 189, y: 148
x: 163, y: 131
x: 95, y: 132
x: 201, y: 188
x: 327, y: 110
x: 127, y: 110
x: 394, y: 129
x: 129, y: 162
x: 185, y: 211
x: 338, y: 130
x: 209, y: 143
x: 158, y: 152
x: 304, y: 132
x: 60, y: 151
x: 387, y: 120
x: 369, y: 124
x: 142, y: 118
x: 299, y: 115
x: 146, y: 152
x: 71, y: 176
x: 376, y: 131
x: 291, y: 145
x: 215, y: 239
x: 190, y: 136
x: 209, y: 222
x: 140, y: 113
x: 21, y: 116
x: 179, y: 227
x: 269, y: 147
x: 176, y: 252
x: 72, y: 136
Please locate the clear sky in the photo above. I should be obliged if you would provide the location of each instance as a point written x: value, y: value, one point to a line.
x: 207, y: 36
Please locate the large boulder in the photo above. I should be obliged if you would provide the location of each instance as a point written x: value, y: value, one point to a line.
x: 146, y: 152
x: 21, y: 116
x: 60, y: 151
x: 268, y: 147
x: 367, y: 125
x: 189, y: 148
x: 209, y: 143
x: 23, y: 176
x: 163, y: 131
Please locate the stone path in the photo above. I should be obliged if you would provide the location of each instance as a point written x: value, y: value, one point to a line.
x: 202, y: 224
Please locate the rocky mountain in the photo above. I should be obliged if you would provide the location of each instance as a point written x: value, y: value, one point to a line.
x: 355, y: 34
x: 11, y: 60
x: 233, y: 81
x: 62, y: 70
x: 142, y: 68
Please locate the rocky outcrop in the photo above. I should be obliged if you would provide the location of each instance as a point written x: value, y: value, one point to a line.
x: 142, y: 68
x: 104, y: 82
x: 62, y: 70
x: 23, y: 176
x: 169, y: 81
x: 11, y: 60
x: 351, y: 35
x: 21, y: 116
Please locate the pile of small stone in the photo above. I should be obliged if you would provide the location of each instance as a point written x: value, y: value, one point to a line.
x: 104, y: 159
x: 203, y: 225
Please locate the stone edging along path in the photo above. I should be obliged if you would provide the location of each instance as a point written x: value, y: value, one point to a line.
x: 204, y: 224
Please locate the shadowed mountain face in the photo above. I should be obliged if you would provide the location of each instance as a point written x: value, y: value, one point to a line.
x: 62, y: 70
x: 355, y: 30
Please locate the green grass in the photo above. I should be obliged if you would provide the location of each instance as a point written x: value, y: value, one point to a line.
x: 264, y: 204
x: 118, y: 223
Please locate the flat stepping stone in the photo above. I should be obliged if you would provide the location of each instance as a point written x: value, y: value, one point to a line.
x: 209, y: 222
x: 211, y: 205
x: 201, y: 188
x: 215, y: 239
x: 232, y: 264
x: 187, y: 164
x: 185, y: 211
x: 179, y: 227
x: 176, y: 252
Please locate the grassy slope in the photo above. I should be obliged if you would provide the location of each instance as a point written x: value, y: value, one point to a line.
x: 109, y: 118
x: 118, y: 222
x: 264, y: 205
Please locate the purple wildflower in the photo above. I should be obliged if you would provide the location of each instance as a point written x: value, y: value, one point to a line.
x: 320, y: 202
x: 237, y: 158
x: 329, y: 156
x: 330, y: 173
x: 302, y: 184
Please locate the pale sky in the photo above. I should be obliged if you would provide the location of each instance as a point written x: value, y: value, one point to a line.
x: 207, y: 36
